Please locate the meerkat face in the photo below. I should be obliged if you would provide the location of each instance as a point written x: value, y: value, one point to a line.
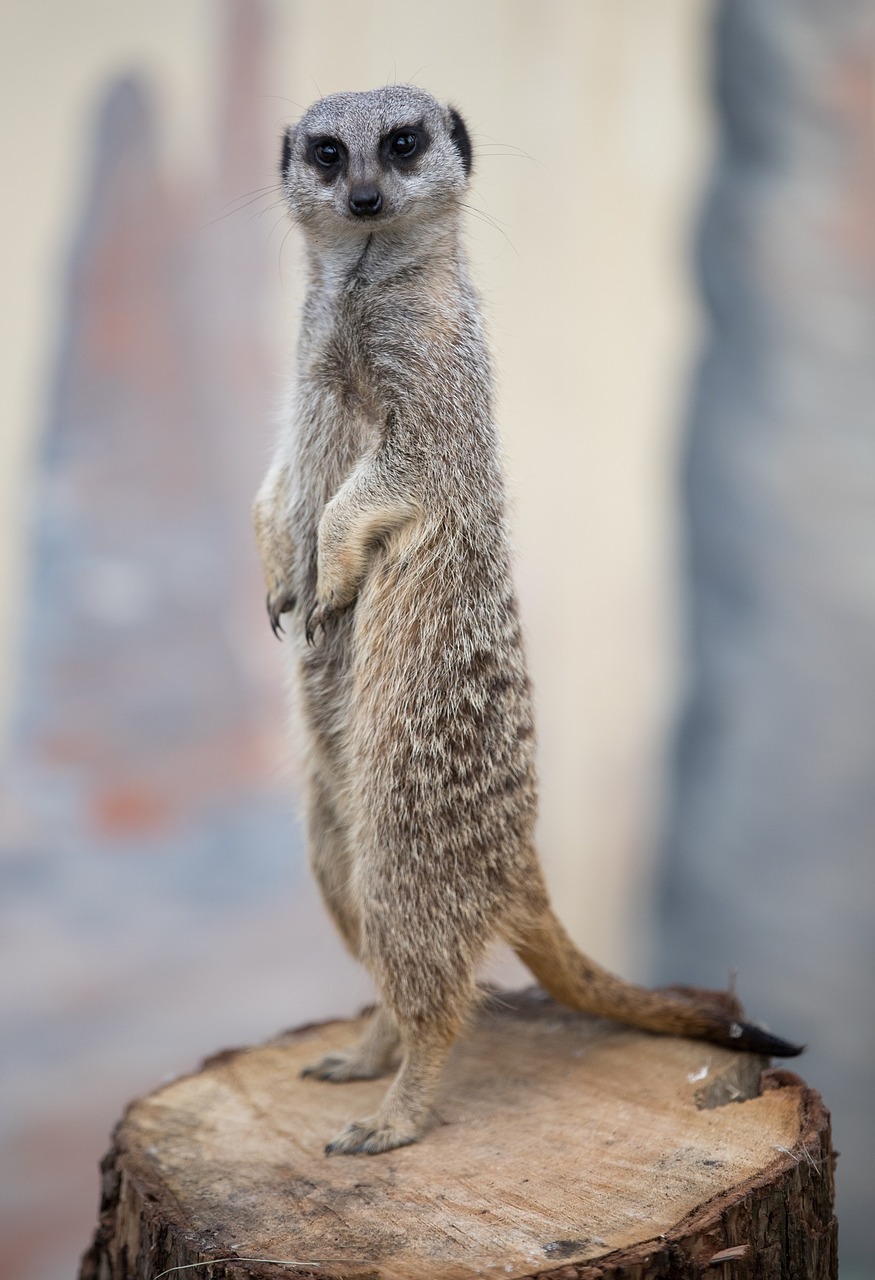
x: 360, y: 162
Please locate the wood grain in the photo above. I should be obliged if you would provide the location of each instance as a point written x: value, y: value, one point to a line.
x: 563, y: 1146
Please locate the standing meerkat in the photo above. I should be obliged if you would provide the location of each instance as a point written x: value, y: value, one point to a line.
x: 381, y: 525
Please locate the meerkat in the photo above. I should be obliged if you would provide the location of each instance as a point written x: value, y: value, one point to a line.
x: 381, y: 526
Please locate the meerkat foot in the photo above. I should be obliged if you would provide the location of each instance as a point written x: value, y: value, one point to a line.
x: 340, y: 1067
x: 374, y: 1055
x: 405, y: 1112
x: 370, y: 1138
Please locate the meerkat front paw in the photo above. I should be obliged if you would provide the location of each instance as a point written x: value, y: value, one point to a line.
x: 369, y: 1138
x: 317, y: 620
x: 280, y: 600
x: 277, y: 552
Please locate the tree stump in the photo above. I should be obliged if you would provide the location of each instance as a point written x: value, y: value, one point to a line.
x: 563, y: 1146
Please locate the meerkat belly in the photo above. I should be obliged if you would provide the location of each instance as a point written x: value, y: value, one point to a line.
x: 441, y: 724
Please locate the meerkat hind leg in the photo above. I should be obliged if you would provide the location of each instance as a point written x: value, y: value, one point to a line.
x: 404, y: 1111
x: 374, y: 1055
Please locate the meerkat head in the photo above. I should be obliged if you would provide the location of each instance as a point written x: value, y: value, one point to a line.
x: 359, y: 162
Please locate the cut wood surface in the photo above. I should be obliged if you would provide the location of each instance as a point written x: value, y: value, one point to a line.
x: 562, y: 1146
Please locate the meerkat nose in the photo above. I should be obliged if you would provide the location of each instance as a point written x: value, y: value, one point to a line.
x: 365, y: 201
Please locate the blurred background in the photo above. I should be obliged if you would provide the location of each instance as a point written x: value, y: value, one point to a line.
x: 672, y: 221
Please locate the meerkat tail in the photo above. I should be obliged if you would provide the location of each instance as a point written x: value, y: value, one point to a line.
x: 573, y: 979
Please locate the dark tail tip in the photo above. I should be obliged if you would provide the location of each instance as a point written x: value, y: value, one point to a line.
x: 743, y: 1035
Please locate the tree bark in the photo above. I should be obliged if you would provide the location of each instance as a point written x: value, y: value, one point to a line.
x: 563, y: 1147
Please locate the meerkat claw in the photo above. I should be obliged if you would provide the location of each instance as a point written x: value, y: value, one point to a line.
x: 275, y: 625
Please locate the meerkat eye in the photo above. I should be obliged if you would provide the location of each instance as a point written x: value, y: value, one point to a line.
x: 404, y: 144
x: 327, y: 153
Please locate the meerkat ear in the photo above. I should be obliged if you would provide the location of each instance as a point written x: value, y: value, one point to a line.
x: 287, y: 151
x: 459, y: 135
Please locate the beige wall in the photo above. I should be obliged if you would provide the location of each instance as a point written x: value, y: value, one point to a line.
x: 590, y: 124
